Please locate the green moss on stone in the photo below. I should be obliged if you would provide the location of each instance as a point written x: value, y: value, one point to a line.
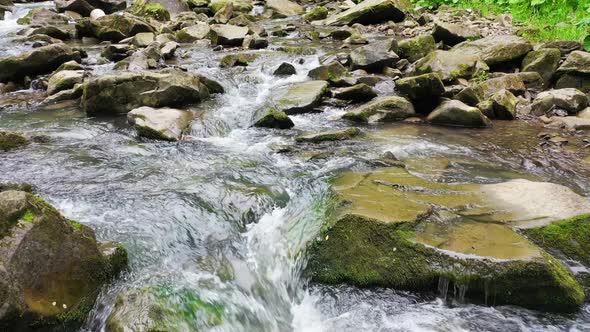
x: 11, y: 141
x: 569, y: 237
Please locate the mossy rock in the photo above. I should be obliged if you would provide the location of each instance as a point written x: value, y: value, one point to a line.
x: 54, y: 267
x: 300, y: 97
x: 415, y: 48
x: 154, y: 10
x: 275, y: 119
x: 317, y: 13
x: 10, y: 141
x: 384, y: 109
x: 331, y: 135
x: 386, y: 233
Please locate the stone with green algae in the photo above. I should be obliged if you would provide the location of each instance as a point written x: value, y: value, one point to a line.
x: 330, y: 135
x: 300, y: 97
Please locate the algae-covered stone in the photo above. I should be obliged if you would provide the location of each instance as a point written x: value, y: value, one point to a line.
x: 371, y: 12
x: 421, y: 87
x: 166, y: 124
x: 496, y: 50
x: 502, y: 105
x: 333, y: 72
x: 48, y: 260
x: 330, y: 135
x: 383, y: 236
x: 10, y: 141
x: 120, y: 93
x: 240, y: 59
x: 317, y: 13
x: 113, y: 27
x: 373, y: 57
x: 449, y: 65
x: 275, y: 119
x: 157, y: 9
x: 484, y: 90
x: 456, y: 113
x: 577, y: 62
x: 38, y: 61
x: 415, y: 48
x: 238, y: 5
x: 300, y: 97
x: 543, y: 61
x: 385, y: 109
x: 64, y: 80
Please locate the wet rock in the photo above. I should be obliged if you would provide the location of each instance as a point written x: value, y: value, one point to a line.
x: 113, y: 27
x: 333, y: 72
x: 240, y: 59
x: 384, y: 109
x: 224, y: 14
x: 70, y: 65
x: 358, y: 93
x: 53, y: 268
x: 161, y: 10
x: 564, y: 46
x: 85, y: 7
x: 238, y: 5
x: 120, y: 93
x: 356, y: 39
x: 501, y: 105
x: 452, y: 34
x: 193, y: 33
x: 300, y: 97
x: 370, y: 12
x: 166, y: 124
x: 64, y: 80
x: 62, y: 32
x: 117, y: 52
x: 169, y: 49
x: 42, y: 17
x: 146, y: 58
x: 38, y: 61
x: 482, y: 91
x: 37, y: 38
x: 274, y: 119
x: 543, y: 61
x: 570, y: 100
x: 341, y: 34
x: 496, y: 50
x: 285, y: 69
x: 426, y: 86
x: 10, y: 141
x: 316, y: 14
x: 331, y: 135
x: 16, y: 186
x: 143, y: 39
x: 254, y: 42
x: 415, y: 48
x: 373, y: 57
x: 65, y: 95
x: 456, y: 113
x: 572, y: 122
x: 575, y: 81
x: 484, y: 257
x: 449, y: 65
x: 284, y: 8
x: 227, y: 34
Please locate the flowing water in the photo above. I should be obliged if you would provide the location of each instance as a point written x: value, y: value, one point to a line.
x: 217, y: 224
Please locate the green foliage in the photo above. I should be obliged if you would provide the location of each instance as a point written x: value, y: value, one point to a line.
x: 543, y: 19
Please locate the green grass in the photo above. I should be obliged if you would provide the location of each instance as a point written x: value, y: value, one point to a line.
x: 542, y: 20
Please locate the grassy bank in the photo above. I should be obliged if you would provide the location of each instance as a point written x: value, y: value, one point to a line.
x: 541, y: 19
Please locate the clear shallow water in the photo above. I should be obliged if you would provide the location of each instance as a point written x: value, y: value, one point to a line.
x: 222, y: 218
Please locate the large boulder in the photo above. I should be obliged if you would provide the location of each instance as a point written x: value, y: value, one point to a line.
x: 394, y: 229
x: 238, y: 5
x: 120, y: 93
x: 568, y: 99
x: 452, y: 34
x: 43, y: 17
x: 193, y: 33
x: 496, y: 50
x: 384, y: 109
x: 284, y: 8
x: 273, y: 118
x: 52, y: 268
x: 161, y: 10
x: 456, y: 113
x: 426, y: 86
x: 10, y: 141
x: 371, y: 12
x: 356, y: 93
x: 113, y: 27
x: 577, y: 62
x: 501, y: 105
x: 300, y: 97
x: 449, y: 65
x: 484, y: 90
x: 85, y: 7
x: 227, y: 34
x: 166, y: 124
x: 543, y: 61
x: 333, y: 72
x: 373, y: 57
x: 415, y: 48
x: 40, y: 60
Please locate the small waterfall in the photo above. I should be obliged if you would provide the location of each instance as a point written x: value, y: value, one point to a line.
x: 443, y: 287
x: 459, y: 292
